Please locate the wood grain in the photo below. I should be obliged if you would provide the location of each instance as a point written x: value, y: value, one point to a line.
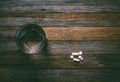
x: 60, y: 6
x: 57, y: 75
x: 97, y: 54
x: 63, y: 15
x: 56, y: 22
x: 70, y: 25
x: 70, y: 33
x: 83, y: 33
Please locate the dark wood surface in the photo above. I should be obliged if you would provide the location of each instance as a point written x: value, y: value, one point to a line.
x: 59, y: 75
x: 101, y: 62
x: 64, y: 6
x: 97, y: 54
x: 92, y: 26
x: 70, y: 33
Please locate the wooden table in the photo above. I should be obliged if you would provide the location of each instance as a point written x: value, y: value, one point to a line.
x: 92, y: 26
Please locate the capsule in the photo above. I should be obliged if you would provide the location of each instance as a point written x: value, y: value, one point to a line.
x: 71, y: 56
x: 75, y: 54
x: 76, y: 59
x: 79, y: 57
x: 80, y: 53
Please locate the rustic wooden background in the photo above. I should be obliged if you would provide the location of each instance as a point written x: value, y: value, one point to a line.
x: 92, y: 26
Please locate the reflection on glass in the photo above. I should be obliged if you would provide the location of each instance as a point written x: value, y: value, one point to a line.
x: 30, y: 38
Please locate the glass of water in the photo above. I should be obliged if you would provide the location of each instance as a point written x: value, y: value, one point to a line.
x: 30, y: 38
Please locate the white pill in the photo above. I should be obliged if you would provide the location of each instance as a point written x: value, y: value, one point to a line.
x: 75, y: 53
x: 79, y: 57
x: 71, y: 56
x: 80, y: 52
x: 76, y: 59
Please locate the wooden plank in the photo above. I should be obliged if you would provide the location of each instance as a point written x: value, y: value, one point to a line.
x: 83, y: 33
x: 59, y: 2
x: 66, y: 47
x: 85, y: 20
x: 97, y: 54
x: 70, y: 33
x: 60, y: 6
x: 57, y: 75
x: 54, y: 22
x: 66, y: 16
x: 62, y: 9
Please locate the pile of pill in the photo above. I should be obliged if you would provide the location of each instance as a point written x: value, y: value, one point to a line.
x: 77, y: 56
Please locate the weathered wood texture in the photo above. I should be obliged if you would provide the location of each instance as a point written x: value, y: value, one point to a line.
x: 101, y: 62
x: 93, y: 24
x: 97, y: 54
x: 66, y: 6
x: 59, y: 75
x: 29, y: 12
x: 70, y: 33
x: 65, y: 14
x: 17, y: 21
